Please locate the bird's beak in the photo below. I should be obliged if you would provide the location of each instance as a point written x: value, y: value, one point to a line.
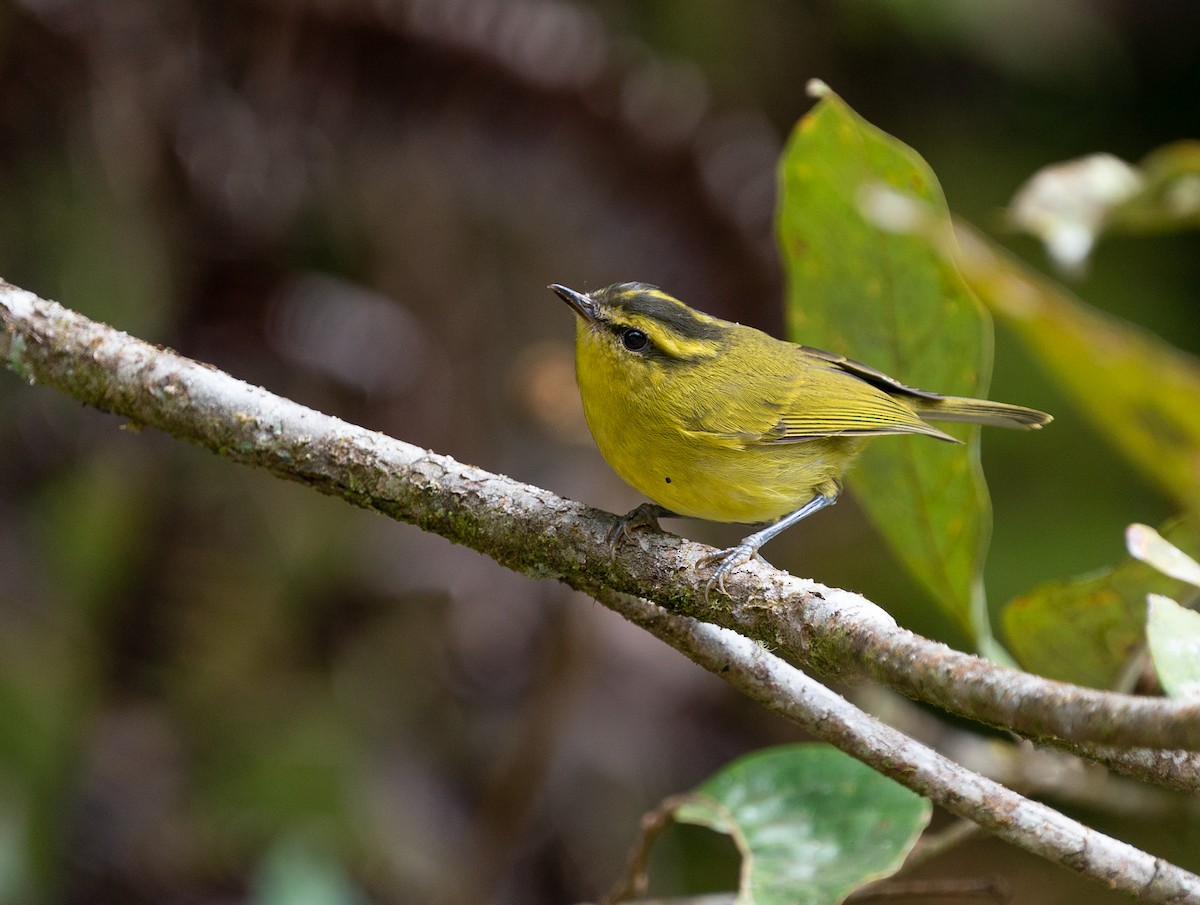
x: 580, y: 303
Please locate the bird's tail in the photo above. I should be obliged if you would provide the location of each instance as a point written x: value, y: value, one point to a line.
x: 979, y: 411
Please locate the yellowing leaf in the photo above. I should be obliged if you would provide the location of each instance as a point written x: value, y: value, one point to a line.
x: 1142, y: 392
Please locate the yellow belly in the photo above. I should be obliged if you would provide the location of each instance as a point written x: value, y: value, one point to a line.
x: 715, y: 481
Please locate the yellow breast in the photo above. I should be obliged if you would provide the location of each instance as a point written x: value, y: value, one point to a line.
x: 638, y: 427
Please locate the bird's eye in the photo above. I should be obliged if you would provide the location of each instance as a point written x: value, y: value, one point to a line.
x: 634, y: 340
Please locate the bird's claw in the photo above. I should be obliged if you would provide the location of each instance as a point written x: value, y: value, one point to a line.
x: 728, y: 560
x: 644, y: 516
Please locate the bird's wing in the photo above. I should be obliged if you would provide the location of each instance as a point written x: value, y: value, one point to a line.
x: 826, y: 396
x: 865, y: 373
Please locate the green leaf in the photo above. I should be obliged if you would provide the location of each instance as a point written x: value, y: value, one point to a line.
x: 812, y: 824
x: 895, y: 303
x: 1083, y: 630
x: 1173, y: 632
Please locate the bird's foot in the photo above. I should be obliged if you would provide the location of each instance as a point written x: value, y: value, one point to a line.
x: 644, y: 516
x: 748, y: 549
x: 727, y: 560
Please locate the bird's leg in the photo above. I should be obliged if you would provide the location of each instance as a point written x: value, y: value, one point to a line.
x: 747, y: 550
x: 644, y: 516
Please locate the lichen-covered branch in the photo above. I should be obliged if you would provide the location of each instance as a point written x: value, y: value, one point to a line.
x: 540, y: 534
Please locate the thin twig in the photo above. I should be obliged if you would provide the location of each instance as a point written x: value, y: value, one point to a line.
x: 634, y: 881
x: 931, y: 845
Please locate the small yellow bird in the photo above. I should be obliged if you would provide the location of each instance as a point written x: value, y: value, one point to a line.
x: 714, y: 420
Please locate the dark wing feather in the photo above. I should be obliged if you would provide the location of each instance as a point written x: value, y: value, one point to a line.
x: 868, y: 374
x: 819, y: 395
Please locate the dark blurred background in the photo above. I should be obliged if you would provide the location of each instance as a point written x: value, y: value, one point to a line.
x: 219, y: 688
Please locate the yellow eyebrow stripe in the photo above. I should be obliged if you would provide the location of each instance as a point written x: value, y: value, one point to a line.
x: 670, y: 342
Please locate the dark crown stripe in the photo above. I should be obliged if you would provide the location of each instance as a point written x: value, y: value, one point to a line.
x: 643, y: 299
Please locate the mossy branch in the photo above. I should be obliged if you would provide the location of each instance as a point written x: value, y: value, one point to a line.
x: 533, y: 531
